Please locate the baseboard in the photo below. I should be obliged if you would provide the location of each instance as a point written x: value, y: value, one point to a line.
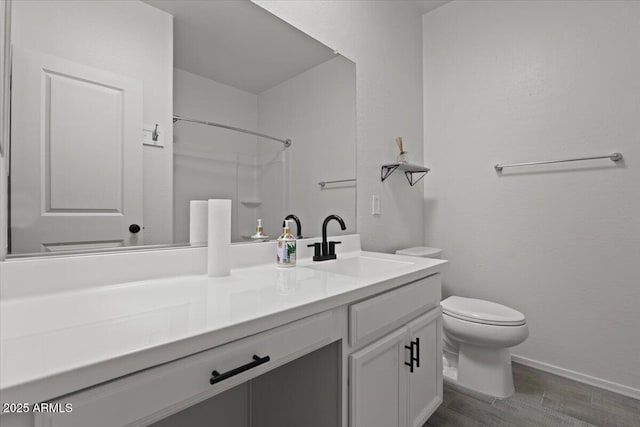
x: 577, y: 376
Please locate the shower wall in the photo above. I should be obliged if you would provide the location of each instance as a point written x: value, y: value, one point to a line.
x: 315, y: 109
x: 210, y: 162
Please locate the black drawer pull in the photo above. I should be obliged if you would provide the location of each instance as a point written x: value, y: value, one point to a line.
x: 257, y: 360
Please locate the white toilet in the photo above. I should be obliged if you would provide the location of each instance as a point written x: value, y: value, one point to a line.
x: 477, y: 336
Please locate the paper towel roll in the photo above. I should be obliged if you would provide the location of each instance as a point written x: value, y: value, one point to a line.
x: 198, y: 220
x: 219, y: 232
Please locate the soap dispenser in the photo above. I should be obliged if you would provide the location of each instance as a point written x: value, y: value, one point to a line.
x: 286, y: 248
x: 259, y: 234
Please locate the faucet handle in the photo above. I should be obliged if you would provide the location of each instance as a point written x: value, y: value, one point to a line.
x: 316, y: 249
x: 332, y: 247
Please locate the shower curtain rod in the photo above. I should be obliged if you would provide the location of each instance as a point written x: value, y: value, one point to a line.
x: 286, y: 142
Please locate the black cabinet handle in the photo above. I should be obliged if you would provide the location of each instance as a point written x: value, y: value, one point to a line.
x: 413, y: 357
x: 134, y: 228
x: 257, y: 360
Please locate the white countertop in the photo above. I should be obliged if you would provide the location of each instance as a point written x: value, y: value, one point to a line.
x: 57, y: 343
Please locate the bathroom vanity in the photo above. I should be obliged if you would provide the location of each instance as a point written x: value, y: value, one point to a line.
x: 357, y: 338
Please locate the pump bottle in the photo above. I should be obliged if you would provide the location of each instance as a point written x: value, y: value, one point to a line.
x: 286, y: 248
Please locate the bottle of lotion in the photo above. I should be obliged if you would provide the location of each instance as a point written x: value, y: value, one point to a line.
x: 286, y: 248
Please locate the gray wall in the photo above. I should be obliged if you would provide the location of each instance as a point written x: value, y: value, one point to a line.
x: 524, y: 81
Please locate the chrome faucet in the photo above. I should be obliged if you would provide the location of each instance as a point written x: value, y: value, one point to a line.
x: 326, y: 250
x: 298, y: 225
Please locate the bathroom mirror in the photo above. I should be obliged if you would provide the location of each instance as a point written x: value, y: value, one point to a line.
x: 114, y: 126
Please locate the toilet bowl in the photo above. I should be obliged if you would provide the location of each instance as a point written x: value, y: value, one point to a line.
x: 477, y: 335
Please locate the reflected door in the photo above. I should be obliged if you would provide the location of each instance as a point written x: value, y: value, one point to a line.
x: 76, y: 156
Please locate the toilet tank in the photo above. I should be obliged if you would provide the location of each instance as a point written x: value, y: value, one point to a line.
x: 421, y: 251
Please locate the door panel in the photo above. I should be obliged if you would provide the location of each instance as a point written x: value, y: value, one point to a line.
x: 83, y: 154
x: 425, y: 382
x: 378, y: 384
x: 76, y: 158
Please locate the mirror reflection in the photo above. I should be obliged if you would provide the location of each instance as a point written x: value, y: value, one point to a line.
x: 116, y: 113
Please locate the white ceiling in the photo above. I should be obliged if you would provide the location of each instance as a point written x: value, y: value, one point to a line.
x: 239, y: 44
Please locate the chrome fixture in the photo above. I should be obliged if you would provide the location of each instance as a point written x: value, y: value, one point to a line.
x: 613, y: 156
x: 286, y: 142
x: 323, y: 183
x: 155, y: 134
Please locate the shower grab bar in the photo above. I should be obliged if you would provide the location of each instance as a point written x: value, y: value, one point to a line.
x: 286, y: 142
x: 613, y: 156
x: 323, y: 183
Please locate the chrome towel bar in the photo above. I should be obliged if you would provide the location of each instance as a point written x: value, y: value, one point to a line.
x: 613, y: 156
x: 323, y: 183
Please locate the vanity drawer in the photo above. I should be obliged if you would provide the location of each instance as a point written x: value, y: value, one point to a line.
x: 376, y: 316
x: 148, y: 396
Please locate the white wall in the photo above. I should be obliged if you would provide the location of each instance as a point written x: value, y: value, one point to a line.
x: 525, y: 81
x: 383, y: 38
x: 316, y: 110
x: 211, y: 162
x: 125, y: 37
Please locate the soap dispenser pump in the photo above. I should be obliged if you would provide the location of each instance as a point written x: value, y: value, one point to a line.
x: 286, y: 248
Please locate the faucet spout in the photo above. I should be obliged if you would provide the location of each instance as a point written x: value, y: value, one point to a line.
x: 325, y: 245
x: 298, y: 225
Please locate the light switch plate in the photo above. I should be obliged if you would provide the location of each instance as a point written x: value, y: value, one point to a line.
x: 375, y: 204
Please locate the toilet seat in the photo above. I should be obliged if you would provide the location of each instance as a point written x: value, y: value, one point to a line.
x: 481, y: 311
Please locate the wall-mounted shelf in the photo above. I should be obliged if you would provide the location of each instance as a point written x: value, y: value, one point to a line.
x: 408, y: 168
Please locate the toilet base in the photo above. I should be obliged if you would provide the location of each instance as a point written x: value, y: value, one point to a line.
x: 481, y: 369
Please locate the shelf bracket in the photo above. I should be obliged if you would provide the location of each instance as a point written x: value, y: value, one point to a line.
x: 409, y: 176
x: 385, y: 171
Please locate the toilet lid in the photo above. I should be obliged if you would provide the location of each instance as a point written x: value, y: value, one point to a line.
x: 421, y: 251
x: 481, y: 311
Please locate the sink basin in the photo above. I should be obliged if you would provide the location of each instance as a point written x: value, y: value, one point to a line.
x: 361, y: 266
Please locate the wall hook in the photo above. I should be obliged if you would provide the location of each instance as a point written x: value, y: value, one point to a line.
x: 155, y: 134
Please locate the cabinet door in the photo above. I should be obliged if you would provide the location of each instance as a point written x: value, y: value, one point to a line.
x: 425, y: 382
x: 378, y: 383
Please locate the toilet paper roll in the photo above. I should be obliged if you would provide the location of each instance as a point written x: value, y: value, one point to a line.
x: 198, y: 220
x: 219, y: 237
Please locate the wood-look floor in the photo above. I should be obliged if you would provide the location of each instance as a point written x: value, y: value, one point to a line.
x: 541, y: 399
